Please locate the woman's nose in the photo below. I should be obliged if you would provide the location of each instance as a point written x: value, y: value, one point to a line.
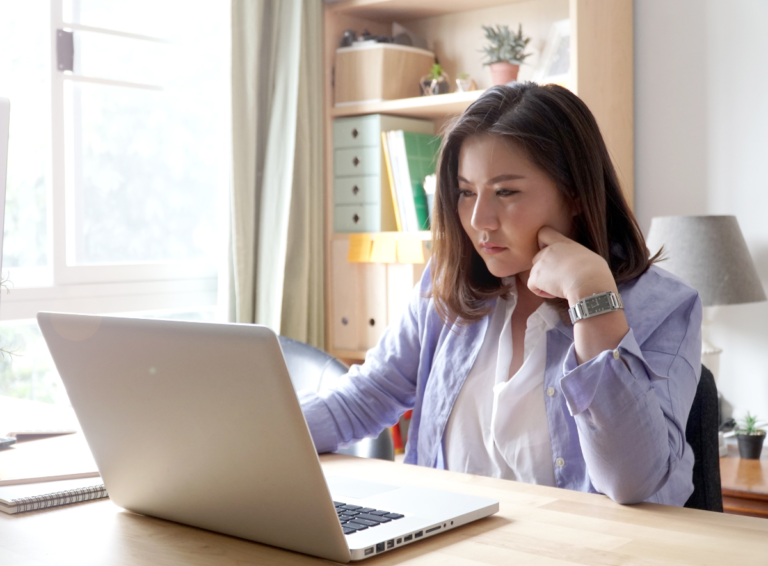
x: 484, y: 216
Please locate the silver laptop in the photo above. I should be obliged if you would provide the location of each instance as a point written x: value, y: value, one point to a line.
x: 199, y: 423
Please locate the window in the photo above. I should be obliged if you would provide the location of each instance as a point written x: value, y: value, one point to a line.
x: 118, y: 168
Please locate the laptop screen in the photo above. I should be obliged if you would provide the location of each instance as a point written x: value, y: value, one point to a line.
x: 5, y: 117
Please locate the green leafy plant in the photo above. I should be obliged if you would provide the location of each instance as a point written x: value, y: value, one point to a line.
x: 435, y: 72
x: 749, y: 425
x: 505, y: 46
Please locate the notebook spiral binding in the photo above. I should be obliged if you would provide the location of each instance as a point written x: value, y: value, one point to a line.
x: 38, y: 502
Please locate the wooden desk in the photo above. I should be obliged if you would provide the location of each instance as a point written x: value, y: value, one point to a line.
x: 745, y: 484
x: 536, y: 524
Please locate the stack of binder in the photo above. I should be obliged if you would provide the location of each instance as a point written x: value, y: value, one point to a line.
x: 410, y: 157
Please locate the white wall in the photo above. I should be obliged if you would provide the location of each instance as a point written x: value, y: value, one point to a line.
x: 701, y: 147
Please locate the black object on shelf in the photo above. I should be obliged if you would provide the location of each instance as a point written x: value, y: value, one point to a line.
x: 750, y: 445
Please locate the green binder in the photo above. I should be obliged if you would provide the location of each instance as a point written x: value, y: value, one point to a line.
x: 422, y: 151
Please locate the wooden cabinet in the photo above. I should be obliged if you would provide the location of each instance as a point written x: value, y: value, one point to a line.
x: 366, y: 298
x: 745, y: 484
x: 601, y: 74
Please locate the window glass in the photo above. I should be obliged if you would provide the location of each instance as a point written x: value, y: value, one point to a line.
x: 112, y: 57
x: 27, y: 370
x: 148, y: 164
x: 145, y: 185
x: 25, y: 81
x: 142, y: 17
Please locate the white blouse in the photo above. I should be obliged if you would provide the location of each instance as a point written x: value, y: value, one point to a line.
x: 498, y: 426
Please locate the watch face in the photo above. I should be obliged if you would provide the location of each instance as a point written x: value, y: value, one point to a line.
x: 598, y: 304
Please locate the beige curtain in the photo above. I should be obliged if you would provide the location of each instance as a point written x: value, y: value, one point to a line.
x: 277, y: 205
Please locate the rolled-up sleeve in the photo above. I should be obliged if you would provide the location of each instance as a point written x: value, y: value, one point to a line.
x: 631, y: 405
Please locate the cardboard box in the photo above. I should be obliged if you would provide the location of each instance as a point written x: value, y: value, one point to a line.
x: 379, y: 71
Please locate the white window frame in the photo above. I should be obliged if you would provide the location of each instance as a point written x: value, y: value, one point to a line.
x: 103, y: 288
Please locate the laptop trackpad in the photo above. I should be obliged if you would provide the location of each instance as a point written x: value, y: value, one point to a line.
x: 352, y: 488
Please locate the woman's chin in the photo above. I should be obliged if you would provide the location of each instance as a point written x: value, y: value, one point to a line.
x: 502, y: 270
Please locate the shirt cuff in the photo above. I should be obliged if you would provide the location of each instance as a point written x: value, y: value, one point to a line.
x: 580, y: 383
x: 320, y: 421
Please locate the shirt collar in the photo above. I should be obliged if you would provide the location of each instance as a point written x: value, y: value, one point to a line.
x: 550, y: 315
x: 546, y: 312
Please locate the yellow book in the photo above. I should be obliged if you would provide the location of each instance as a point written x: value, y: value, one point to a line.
x: 391, y: 178
x: 409, y: 250
x: 384, y: 249
x: 359, y: 248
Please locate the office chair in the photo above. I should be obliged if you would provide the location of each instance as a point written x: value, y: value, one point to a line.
x: 314, y: 369
x: 701, y: 434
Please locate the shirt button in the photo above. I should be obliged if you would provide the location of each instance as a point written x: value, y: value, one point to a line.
x: 550, y: 391
x: 616, y: 355
x: 560, y: 462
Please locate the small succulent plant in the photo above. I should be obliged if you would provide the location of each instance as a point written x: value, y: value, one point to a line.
x: 435, y: 72
x: 749, y: 425
x: 505, y: 46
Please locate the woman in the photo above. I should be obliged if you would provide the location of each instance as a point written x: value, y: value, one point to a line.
x: 529, y: 223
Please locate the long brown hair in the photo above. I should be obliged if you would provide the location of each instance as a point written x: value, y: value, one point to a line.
x: 562, y: 138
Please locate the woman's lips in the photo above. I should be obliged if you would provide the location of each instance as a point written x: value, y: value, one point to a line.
x: 490, y: 249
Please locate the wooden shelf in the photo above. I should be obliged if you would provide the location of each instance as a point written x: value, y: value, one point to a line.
x: 411, y: 9
x: 432, y: 107
x: 425, y: 235
x: 601, y: 74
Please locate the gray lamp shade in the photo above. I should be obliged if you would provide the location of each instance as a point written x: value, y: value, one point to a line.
x: 710, y: 254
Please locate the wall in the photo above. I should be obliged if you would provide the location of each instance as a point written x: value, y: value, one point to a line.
x: 457, y: 39
x: 701, y: 147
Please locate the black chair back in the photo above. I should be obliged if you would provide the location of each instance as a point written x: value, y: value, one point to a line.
x: 701, y: 433
x: 314, y: 369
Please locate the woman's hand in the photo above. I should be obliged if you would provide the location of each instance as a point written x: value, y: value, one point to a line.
x: 566, y: 269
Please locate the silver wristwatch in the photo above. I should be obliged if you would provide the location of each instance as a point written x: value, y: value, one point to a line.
x: 599, y: 303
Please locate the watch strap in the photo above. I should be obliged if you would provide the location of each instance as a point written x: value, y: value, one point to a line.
x: 599, y: 303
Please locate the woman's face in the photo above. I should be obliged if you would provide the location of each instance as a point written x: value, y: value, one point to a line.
x: 504, y: 200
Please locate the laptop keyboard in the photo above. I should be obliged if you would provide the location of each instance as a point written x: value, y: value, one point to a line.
x: 356, y: 518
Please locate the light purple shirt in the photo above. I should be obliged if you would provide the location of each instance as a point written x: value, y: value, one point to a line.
x: 616, y: 422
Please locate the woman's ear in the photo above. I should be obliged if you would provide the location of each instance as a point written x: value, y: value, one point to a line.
x: 576, y: 207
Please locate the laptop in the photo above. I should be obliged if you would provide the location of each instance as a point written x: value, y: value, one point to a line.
x: 199, y: 423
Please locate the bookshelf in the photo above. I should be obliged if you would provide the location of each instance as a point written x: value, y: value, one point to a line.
x: 601, y: 74
x: 432, y: 107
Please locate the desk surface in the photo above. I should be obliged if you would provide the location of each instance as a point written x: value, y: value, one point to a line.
x: 536, y: 525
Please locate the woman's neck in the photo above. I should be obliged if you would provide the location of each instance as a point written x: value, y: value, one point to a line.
x: 527, y: 301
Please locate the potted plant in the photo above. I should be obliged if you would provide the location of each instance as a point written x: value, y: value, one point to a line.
x: 505, y: 52
x: 436, y: 82
x: 464, y: 83
x: 750, y: 437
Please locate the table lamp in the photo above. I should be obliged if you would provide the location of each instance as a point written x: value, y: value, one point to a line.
x: 710, y: 254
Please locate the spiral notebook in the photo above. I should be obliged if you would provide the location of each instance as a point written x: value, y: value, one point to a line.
x: 33, y: 497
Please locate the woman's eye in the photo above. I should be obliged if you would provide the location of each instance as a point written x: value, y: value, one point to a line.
x: 465, y: 193
x: 506, y: 192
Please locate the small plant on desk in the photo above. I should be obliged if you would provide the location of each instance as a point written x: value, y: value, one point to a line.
x: 750, y: 437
